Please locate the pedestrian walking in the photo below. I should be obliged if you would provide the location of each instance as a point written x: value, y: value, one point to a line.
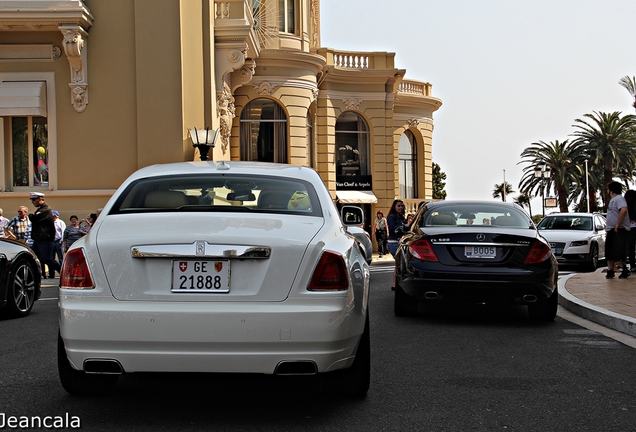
x: 397, y: 227
x: 381, y: 230
x: 60, y: 226
x: 618, y: 228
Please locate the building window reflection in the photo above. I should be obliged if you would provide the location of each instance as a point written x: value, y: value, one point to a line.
x: 264, y: 132
x: 29, y: 148
x: 352, y: 145
x: 407, y: 168
x: 287, y: 16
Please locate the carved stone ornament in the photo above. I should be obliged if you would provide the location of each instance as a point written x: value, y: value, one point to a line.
x: 413, y: 123
x: 265, y: 88
x: 315, y: 92
x: 226, y: 111
x: 230, y: 58
x: 75, y: 50
x: 79, y: 96
x: 242, y: 76
x: 315, y: 20
x: 352, y: 104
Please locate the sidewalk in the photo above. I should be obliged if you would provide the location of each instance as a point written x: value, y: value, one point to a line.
x: 608, y: 302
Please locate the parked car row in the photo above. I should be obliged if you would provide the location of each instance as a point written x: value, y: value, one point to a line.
x: 249, y: 268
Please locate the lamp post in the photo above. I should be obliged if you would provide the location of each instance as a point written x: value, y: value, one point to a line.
x: 503, y: 191
x: 203, y: 139
x: 542, y: 171
x: 587, y: 187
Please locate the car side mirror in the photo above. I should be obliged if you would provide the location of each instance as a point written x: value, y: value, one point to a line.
x: 352, y: 215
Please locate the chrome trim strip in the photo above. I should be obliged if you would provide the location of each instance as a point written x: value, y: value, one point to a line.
x: 200, y: 249
x: 478, y: 244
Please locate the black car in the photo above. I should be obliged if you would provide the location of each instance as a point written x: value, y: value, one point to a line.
x: 20, y: 278
x: 475, y: 252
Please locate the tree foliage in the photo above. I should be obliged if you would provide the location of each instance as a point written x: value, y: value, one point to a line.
x: 608, y: 140
x: 503, y: 191
x: 564, y: 161
x: 524, y: 199
x: 630, y: 85
x: 438, y: 182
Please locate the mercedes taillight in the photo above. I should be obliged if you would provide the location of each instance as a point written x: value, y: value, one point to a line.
x: 423, y: 251
x: 539, y: 252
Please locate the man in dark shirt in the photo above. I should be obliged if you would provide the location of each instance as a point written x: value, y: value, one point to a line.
x: 43, y: 233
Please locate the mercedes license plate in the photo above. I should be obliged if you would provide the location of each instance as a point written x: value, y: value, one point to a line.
x: 201, y: 276
x: 480, y: 252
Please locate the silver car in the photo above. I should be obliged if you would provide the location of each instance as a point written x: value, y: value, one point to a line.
x: 575, y: 238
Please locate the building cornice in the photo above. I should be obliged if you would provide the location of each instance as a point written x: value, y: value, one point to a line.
x: 72, y: 18
x: 43, y: 15
x: 291, y: 59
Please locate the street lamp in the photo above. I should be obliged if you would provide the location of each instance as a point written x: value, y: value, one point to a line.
x: 542, y: 171
x: 203, y: 139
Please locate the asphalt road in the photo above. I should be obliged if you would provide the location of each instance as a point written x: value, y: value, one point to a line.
x: 457, y: 370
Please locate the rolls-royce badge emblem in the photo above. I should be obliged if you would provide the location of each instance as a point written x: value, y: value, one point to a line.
x: 200, y: 248
x: 481, y: 237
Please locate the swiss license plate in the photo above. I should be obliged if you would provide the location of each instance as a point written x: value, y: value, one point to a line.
x: 198, y: 276
x: 480, y: 252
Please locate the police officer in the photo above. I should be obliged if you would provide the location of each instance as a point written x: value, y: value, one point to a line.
x: 43, y: 233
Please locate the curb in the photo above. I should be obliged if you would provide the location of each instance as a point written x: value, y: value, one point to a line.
x: 599, y: 315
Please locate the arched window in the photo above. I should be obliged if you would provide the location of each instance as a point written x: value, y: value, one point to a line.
x: 352, y: 145
x: 407, y: 168
x: 263, y: 132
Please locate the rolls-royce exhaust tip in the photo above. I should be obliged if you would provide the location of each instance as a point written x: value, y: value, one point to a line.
x: 296, y: 367
x: 103, y: 366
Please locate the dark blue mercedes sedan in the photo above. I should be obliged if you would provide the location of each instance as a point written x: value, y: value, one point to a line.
x: 476, y: 252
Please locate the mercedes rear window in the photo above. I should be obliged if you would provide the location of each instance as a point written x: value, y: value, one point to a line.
x: 479, y: 215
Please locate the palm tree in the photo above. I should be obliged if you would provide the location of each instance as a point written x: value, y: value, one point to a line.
x: 630, y: 85
x: 523, y: 199
x: 609, y: 140
x: 565, y: 161
x: 502, y: 191
x: 594, y: 184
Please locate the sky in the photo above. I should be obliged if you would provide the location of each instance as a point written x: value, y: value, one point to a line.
x: 509, y: 72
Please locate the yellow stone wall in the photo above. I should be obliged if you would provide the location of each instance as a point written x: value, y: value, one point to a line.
x: 158, y: 67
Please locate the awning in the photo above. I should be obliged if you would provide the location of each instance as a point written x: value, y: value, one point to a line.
x: 23, y: 98
x: 356, y: 197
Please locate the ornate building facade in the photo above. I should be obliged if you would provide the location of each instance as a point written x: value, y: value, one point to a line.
x: 92, y: 90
